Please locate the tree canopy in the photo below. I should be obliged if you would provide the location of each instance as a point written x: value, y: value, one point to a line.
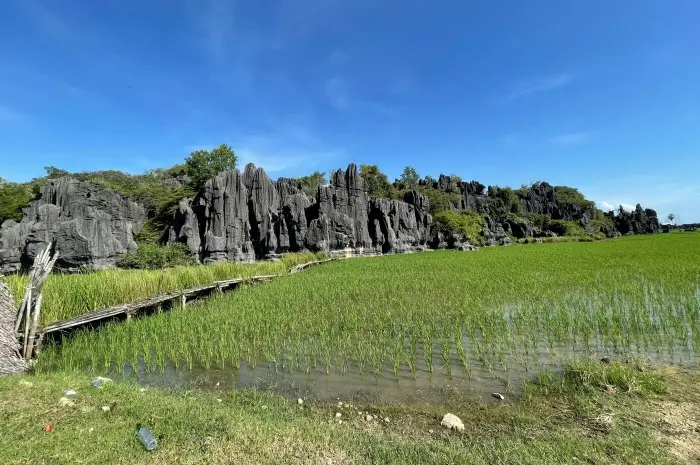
x: 13, y: 197
x: 376, y: 182
x: 310, y: 183
x: 410, y: 178
x: 203, y: 165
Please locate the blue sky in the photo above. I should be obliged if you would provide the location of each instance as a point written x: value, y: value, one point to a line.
x: 601, y: 95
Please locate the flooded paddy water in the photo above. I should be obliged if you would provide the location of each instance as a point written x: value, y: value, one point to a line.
x: 479, y: 382
x: 419, y: 327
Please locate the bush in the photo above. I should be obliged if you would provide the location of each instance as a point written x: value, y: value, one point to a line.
x: 565, y: 228
x: 440, y: 200
x: 311, y: 183
x: 466, y: 223
x: 13, y: 197
x: 570, y: 195
x: 152, y: 257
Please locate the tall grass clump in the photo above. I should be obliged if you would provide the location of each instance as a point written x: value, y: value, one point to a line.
x: 69, y: 295
x: 441, y: 312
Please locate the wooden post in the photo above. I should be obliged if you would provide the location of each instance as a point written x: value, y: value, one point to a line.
x: 183, y: 300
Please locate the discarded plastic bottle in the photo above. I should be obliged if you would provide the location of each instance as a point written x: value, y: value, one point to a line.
x: 147, y: 439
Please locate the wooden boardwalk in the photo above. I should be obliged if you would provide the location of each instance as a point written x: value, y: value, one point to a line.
x: 163, y: 301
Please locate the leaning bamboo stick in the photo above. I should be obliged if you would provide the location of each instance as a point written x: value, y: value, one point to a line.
x: 26, y: 320
x: 29, y: 344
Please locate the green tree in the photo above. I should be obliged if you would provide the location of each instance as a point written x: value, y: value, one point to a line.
x: 376, y: 182
x: 52, y: 172
x: 13, y: 197
x: 310, y: 184
x: 203, y: 165
x: 455, y: 178
x: 410, y: 177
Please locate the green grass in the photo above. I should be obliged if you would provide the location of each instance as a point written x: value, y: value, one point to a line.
x: 515, y: 307
x: 254, y: 427
x: 69, y: 295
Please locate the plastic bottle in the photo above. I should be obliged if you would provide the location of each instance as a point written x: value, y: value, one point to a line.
x: 146, y: 438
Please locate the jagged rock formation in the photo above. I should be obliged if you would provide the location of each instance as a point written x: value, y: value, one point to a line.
x: 244, y: 217
x: 91, y: 224
x: 509, y: 213
x: 640, y: 221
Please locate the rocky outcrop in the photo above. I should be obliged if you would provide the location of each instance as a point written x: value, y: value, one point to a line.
x: 91, y: 225
x: 339, y: 218
x: 397, y: 226
x: 243, y: 217
x: 639, y: 221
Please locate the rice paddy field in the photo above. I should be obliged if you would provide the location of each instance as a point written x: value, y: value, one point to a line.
x: 69, y: 295
x: 504, y: 311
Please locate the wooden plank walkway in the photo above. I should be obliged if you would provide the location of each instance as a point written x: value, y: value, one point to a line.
x: 133, y: 308
x: 171, y: 299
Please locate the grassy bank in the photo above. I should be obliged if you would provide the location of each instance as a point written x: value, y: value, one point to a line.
x: 502, y: 308
x: 569, y: 419
x: 69, y: 295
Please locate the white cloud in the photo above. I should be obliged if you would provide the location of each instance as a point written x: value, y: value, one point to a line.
x: 607, y: 206
x: 544, y: 84
x: 570, y: 139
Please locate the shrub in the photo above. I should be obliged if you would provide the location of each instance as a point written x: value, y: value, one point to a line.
x: 466, y: 222
x: 151, y: 257
x: 13, y: 197
x: 570, y: 195
x: 440, y: 200
x: 565, y: 228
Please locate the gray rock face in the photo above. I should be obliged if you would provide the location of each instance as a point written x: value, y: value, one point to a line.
x: 92, y: 227
x: 398, y: 226
x: 243, y: 217
x: 340, y: 218
x: 640, y: 221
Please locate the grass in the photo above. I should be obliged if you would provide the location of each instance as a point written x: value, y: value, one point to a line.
x: 505, y: 309
x: 69, y: 295
x: 560, y: 421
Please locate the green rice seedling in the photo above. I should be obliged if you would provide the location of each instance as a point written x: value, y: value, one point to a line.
x: 507, y: 309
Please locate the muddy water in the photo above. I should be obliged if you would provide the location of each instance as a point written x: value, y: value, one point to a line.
x: 479, y: 382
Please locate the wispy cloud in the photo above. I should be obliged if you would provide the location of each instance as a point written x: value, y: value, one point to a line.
x: 570, y: 138
x: 287, y: 149
x: 9, y: 114
x: 337, y: 92
x: 536, y: 86
x: 663, y: 195
x: 340, y: 97
x: 338, y: 58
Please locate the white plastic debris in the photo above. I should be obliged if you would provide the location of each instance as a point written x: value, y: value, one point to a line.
x: 452, y: 422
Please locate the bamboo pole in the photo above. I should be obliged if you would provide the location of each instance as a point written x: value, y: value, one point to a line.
x: 30, y: 310
x: 29, y: 345
x: 26, y: 322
